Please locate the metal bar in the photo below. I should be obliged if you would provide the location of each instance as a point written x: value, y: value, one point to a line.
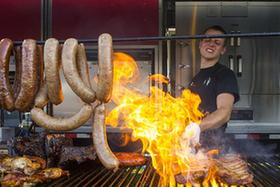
x: 126, y: 176
x: 183, y: 37
x: 96, y: 177
x: 145, y: 175
x: 260, y: 175
x: 267, y: 172
x: 86, y: 177
x: 111, y: 178
x: 117, y: 178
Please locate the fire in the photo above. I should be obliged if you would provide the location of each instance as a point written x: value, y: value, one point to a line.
x: 157, y: 118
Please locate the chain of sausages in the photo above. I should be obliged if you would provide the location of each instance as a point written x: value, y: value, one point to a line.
x: 37, y: 82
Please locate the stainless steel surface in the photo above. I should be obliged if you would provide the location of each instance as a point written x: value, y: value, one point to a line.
x: 258, y: 72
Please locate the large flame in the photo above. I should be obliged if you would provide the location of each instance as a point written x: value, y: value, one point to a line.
x: 157, y: 118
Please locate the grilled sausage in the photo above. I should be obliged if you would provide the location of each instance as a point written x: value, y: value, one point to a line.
x: 28, y: 86
x: 17, y: 80
x: 104, y: 153
x: 6, y: 93
x: 130, y: 159
x: 41, y: 98
x: 61, y: 124
x: 82, y: 65
x: 71, y: 74
x: 105, y: 75
x: 52, y: 66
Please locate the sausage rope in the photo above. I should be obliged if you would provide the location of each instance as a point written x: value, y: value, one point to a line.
x: 6, y: 92
x: 104, y: 153
x: 71, y: 74
x: 105, y: 65
x: 61, y: 124
x: 52, y: 66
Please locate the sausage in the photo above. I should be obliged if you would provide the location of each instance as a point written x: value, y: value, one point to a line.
x: 28, y: 86
x: 82, y: 65
x: 104, y: 153
x: 105, y: 75
x: 41, y: 98
x: 61, y: 124
x: 130, y: 159
x: 6, y: 92
x: 40, y: 66
x: 71, y: 74
x: 17, y: 80
x: 52, y: 66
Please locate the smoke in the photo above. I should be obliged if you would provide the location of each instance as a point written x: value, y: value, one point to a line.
x: 251, y: 147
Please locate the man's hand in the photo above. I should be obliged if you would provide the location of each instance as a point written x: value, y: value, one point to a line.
x: 192, y: 134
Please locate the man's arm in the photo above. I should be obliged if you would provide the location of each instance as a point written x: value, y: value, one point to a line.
x: 222, y: 115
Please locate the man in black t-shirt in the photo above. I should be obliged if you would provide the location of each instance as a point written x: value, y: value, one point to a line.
x: 217, y: 87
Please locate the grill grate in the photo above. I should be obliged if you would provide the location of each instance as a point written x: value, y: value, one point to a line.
x: 266, y: 172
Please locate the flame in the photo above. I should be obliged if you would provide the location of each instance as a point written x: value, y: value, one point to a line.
x: 157, y: 119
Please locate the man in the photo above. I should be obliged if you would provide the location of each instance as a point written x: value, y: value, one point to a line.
x: 217, y: 87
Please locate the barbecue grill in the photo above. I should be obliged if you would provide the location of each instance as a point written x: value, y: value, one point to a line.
x: 266, y: 170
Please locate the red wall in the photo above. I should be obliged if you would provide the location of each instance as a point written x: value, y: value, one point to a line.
x: 20, y: 19
x: 120, y: 18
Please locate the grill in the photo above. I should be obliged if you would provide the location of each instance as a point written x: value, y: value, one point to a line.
x: 266, y: 172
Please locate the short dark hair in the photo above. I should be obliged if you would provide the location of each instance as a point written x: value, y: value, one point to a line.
x: 216, y: 28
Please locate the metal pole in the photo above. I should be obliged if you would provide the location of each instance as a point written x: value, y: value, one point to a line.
x: 183, y: 37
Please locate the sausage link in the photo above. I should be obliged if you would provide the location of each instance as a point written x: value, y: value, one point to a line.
x: 71, y: 74
x: 105, y: 63
x: 82, y: 65
x: 61, y: 124
x: 6, y: 92
x: 40, y: 72
x: 41, y: 98
x: 52, y: 65
x: 17, y: 80
x: 104, y: 153
x: 28, y: 87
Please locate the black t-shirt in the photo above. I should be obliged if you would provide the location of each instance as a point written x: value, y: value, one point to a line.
x: 208, y: 84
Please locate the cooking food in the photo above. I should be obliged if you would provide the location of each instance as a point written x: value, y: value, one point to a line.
x: 71, y: 74
x: 82, y: 65
x: 61, y: 124
x: 29, y: 85
x: 231, y: 169
x: 53, y: 173
x: 54, y: 145
x: 76, y: 154
x: 6, y: 93
x: 130, y: 159
x: 104, y: 153
x: 52, y: 66
x: 32, y: 145
x: 197, y: 173
x: 105, y: 65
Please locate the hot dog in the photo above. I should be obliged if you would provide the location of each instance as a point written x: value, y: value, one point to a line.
x: 61, y: 124
x: 82, y: 65
x: 6, y: 93
x: 52, y: 66
x: 104, y: 153
x: 105, y: 63
x: 28, y: 86
x: 71, y: 74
